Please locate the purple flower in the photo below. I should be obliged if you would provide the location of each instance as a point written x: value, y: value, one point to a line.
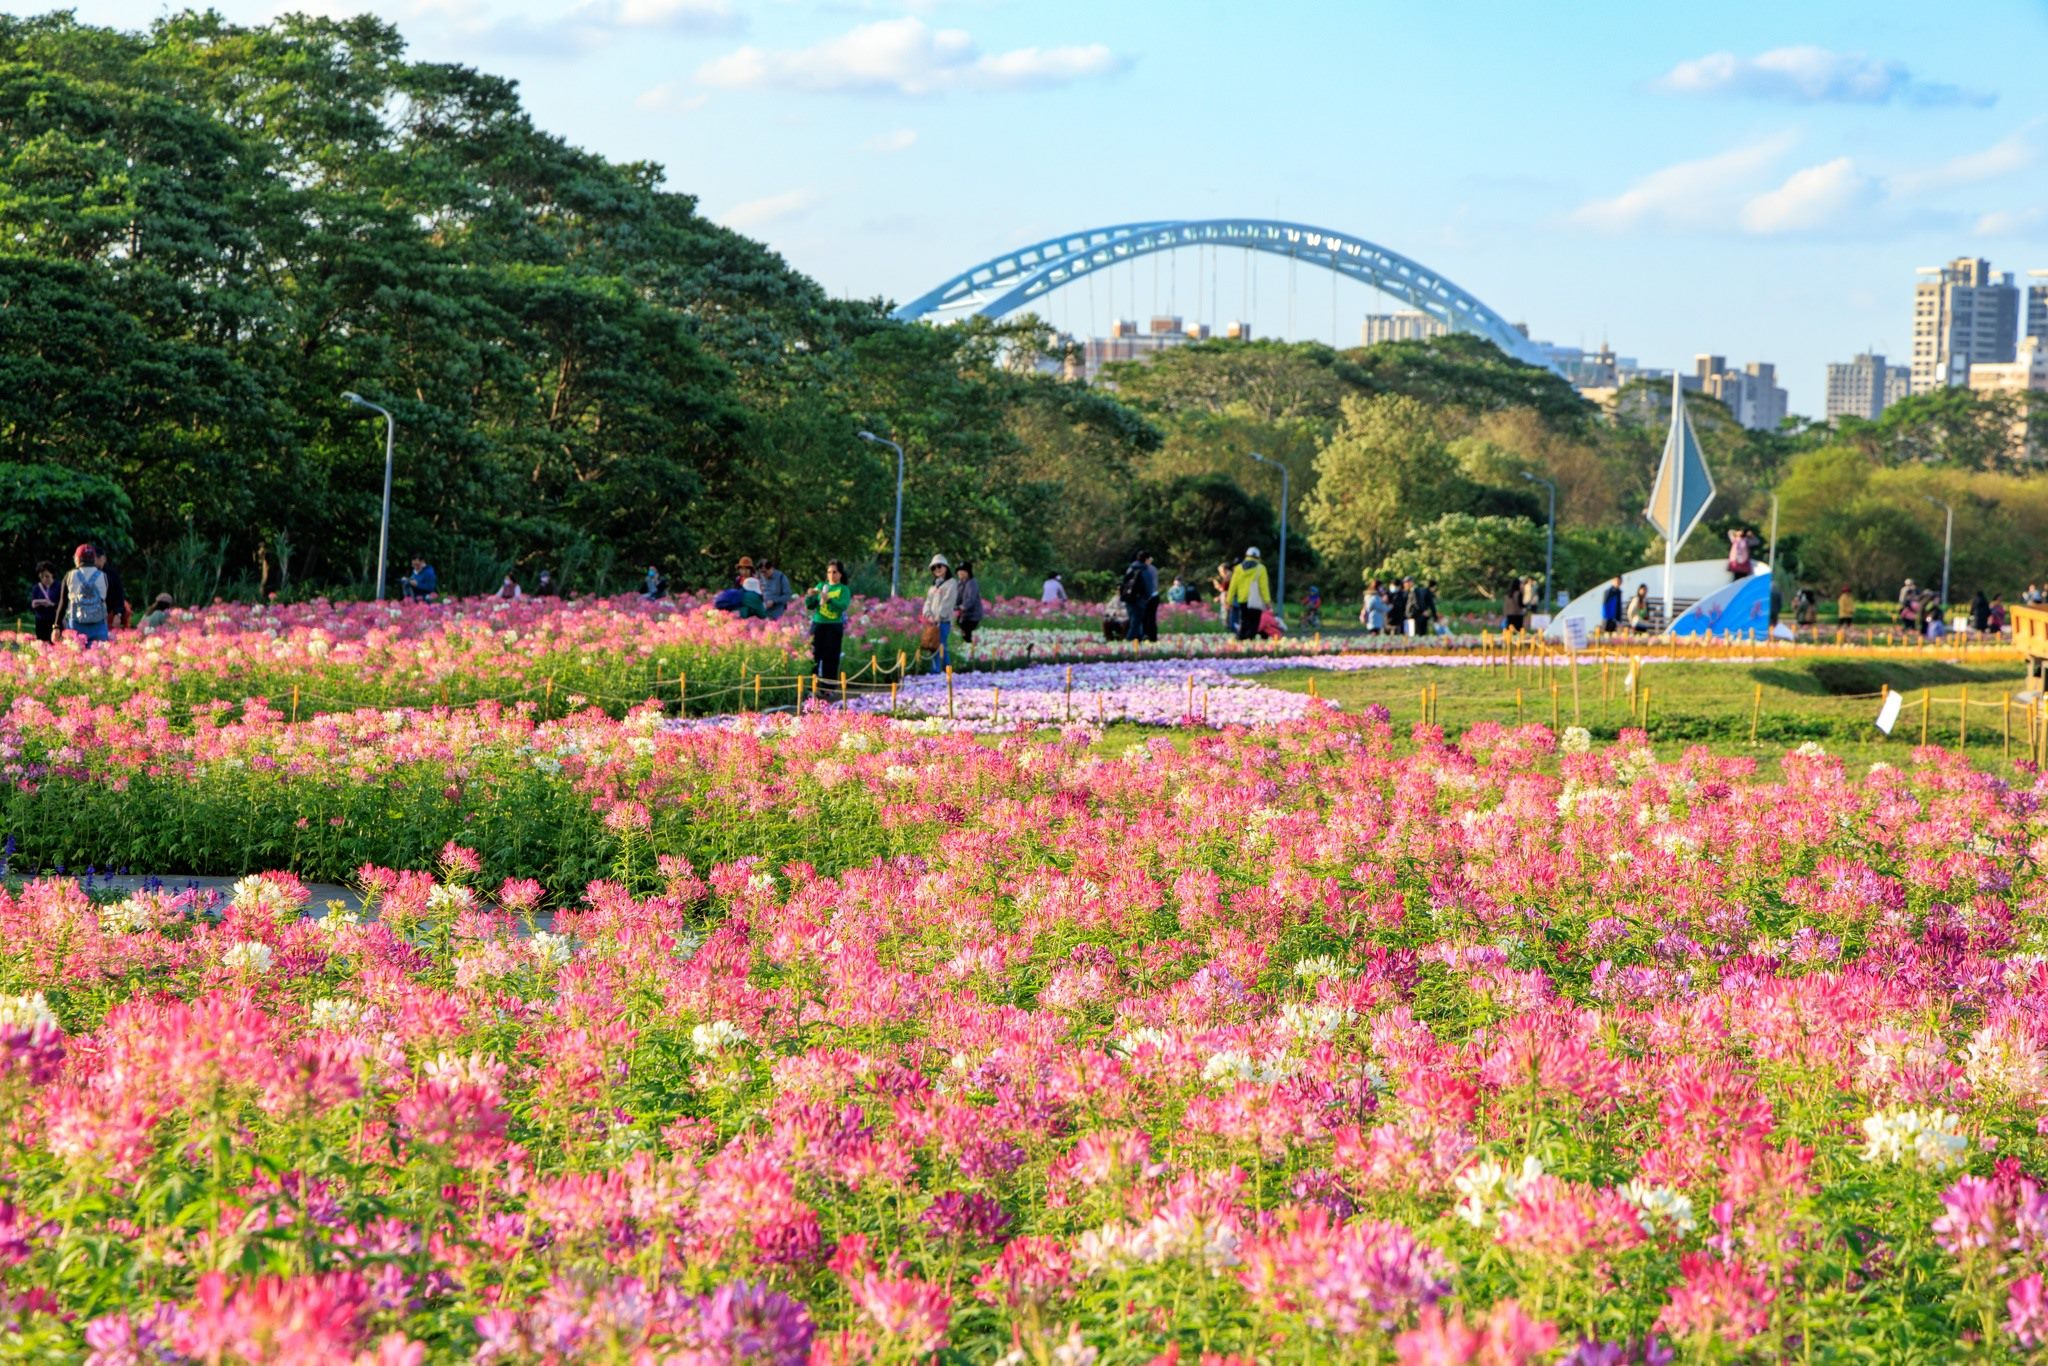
x: 970, y: 1218
x: 750, y: 1325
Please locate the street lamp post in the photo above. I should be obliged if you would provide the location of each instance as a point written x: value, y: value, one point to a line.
x: 1549, y: 538
x: 895, y: 541
x: 1948, y: 536
x: 1280, y: 593
x: 390, y: 438
x: 1774, y: 539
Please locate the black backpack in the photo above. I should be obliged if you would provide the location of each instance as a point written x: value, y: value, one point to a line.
x: 1133, y: 587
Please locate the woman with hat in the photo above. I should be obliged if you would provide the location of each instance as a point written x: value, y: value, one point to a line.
x: 941, y: 600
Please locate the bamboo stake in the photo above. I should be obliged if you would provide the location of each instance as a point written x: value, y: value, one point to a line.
x: 1518, y: 706
x: 295, y: 702
x: 683, y: 694
x: 1575, y: 688
x: 2008, y: 728
x: 1963, y: 719
x: 893, y: 685
x: 1554, y: 722
x: 1756, y: 711
x: 1070, y: 692
x: 949, y: 692
x: 995, y: 707
x: 1646, y: 709
x: 1926, y: 710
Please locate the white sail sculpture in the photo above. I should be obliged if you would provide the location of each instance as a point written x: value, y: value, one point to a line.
x: 1684, y: 488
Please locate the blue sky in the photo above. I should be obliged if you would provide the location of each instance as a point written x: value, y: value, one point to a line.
x: 1761, y: 184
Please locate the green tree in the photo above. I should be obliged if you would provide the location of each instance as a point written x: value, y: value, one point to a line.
x: 1469, y: 557
x: 1387, y: 468
x: 1192, y: 523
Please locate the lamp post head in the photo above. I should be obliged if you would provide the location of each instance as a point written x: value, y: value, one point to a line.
x: 867, y: 436
x: 352, y: 396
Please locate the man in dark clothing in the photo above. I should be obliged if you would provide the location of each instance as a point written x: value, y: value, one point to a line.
x: 1140, y: 593
x: 119, y: 613
x: 1422, y: 606
x: 1610, y: 607
x: 1397, y: 606
x: 1980, y: 612
x: 423, y: 584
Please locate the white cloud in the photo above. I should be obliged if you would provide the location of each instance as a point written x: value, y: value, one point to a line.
x: 902, y: 140
x: 1690, y: 194
x: 1811, y: 199
x: 1812, y: 75
x: 2010, y: 222
x: 669, y: 98
x: 904, y: 57
x: 775, y: 208
x: 694, y: 16
x: 2015, y: 153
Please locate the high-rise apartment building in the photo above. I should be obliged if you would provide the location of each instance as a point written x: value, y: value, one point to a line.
x: 2037, y: 304
x: 1964, y: 313
x: 1751, y: 393
x: 2023, y: 377
x: 1865, y: 387
x: 1408, y: 325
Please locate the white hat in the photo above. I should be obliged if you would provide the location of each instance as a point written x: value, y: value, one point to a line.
x: 938, y: 560
x: 1252, y: 554
x: 751, y: 585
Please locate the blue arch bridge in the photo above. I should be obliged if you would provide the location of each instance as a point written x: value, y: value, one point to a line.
x: 1018, y: 279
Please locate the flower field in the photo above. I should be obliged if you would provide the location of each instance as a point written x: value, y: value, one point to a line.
x: 839, y: 1039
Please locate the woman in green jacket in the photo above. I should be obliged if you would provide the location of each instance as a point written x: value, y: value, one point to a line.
x: 828, y: 604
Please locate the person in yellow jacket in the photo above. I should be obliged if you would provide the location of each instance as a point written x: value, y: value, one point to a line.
x: 1251, y: 593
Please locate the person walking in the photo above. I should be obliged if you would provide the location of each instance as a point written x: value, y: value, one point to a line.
x: 1532, y: 600
x: 1513, y: 607
x: 1907, y: 592
x: 1806, y: 608
x: 2000, y: 618
x: 776, y: 593
x: 1610, y: 607
x: 1227, y: 608
x: 1251, y: 591
x: 1311, y: 608
x: 828, y: 602
x: 82, y: 603
x: 940, y: 600
x: 1397, y: 606
x: 1373, y: 612
x: 42, y: 601
x: 1980, y: 612
x: 1054, y: 591
x: 1845, y: 609
x: 967, y: 608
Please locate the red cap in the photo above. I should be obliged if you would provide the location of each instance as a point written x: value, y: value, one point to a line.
x: 81, y: 551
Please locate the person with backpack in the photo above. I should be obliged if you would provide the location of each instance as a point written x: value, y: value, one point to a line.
x: 82, y: 604
x: 1140, y: 593
x: 1251, y: 592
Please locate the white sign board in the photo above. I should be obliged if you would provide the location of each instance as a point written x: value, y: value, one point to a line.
x: 1888, y: 715
x: 1575, y: 632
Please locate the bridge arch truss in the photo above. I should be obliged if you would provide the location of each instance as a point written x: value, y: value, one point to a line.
x: 1018, y: 279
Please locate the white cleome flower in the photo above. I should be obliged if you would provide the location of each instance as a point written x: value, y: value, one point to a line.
x: 1318, y: 965
x: 1488, y: 1188
x: 248, y: 956
x: 1577, y: 740
x: 551, y: 950
x: 30, y: 1013
x: 716, y: 1037
x: 1926, y: 1138
x: 1661, y: 1207
x: 332, y: 1012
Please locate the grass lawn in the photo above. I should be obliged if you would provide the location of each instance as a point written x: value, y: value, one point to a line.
x: 1830, y: 700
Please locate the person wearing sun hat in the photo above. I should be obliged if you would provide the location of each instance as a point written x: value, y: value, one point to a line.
x: 1251, y: 591
x: 941, y: 600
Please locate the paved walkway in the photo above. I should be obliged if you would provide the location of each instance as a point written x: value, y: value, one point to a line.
x: 323, y: 892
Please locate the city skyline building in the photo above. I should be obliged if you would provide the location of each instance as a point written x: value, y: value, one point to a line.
x: 1752, y: 393
x: 2025, y: 374
x: 2037, y: 304
x: 1406, y: 325
x: 1865, y: 387
x: 1963, y: 314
